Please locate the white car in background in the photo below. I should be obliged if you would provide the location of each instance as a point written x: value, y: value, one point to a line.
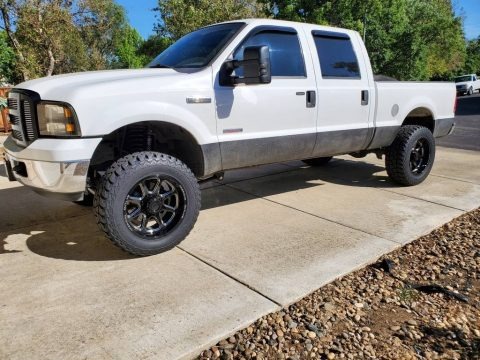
x: 467, y: 84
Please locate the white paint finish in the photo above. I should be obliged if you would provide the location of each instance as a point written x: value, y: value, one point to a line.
x: 266, y: 110
x: 107, y: 100
x: 339, y: 100
x: 70, y: 294
x: 283, y: 253
x: 54, y: 150
x: 437, y: 98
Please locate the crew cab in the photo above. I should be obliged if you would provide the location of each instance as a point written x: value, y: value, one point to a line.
x: 232, y: 95
x: 467, y: 84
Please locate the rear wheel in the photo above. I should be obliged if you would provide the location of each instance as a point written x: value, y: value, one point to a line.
x: 147, y: 203
x: 410, y: 158
x: 318, y: 161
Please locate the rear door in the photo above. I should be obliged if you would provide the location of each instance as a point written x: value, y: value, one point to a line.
x: 346, y: 92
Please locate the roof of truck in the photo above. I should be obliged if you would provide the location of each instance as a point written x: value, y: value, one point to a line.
x: 275, y: 22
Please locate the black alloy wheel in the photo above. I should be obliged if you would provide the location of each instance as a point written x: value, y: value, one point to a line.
x: 154, y: 206
x: 410, y: 158
x: 420, y: 156
x: 147, y: 202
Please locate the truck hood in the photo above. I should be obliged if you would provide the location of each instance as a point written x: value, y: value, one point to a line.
x: 68, y: 86
x: 464, y: 83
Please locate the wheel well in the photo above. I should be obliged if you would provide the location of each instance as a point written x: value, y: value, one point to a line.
x: 422, y: 117
x: 157, y: 136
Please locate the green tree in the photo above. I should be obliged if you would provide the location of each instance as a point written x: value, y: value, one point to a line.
x: 153, y: 46
x: 406, y: 39
x: 127, y: 45
x: 58, y: 36
x: 7, y: 60
x: 472, y: 64
x: 179, y: 17
x: 100, y: 23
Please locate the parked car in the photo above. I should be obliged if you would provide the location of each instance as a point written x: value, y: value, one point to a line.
x: 467, y: 84
x: 226, y: 96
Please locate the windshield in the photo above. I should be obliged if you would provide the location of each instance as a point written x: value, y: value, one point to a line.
x: 197, y: 49
x: 463, y: 79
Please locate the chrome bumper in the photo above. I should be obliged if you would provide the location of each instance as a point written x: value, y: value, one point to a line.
x: 61, y: 180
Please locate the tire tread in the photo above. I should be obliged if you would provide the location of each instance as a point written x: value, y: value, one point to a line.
x: 110, y: 185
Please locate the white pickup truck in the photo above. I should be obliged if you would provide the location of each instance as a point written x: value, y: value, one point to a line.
x: 226, y: 96
x: 467, y: 84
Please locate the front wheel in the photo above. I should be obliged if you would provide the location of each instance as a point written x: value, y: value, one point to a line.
x: 470, y: 92
x: 147, y: 203
x: 410, y: 158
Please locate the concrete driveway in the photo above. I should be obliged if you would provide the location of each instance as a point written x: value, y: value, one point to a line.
x: 265, y: 238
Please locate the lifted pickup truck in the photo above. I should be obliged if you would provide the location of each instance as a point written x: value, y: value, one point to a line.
x: 227, y: 96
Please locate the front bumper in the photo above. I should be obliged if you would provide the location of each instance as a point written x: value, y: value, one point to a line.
x: 65, y: 179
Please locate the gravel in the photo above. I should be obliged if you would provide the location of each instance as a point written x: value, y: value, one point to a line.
x: 375, y: 313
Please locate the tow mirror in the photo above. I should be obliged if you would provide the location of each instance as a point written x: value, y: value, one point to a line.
x: 255, y: 66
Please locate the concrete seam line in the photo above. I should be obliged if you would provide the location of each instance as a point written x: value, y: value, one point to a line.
x: 413, y: 197
x: 417, y: 198
x: 230, y: 276
x: 317, y: 216
x: 456, y: 179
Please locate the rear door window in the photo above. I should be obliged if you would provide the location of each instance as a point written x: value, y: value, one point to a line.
x: 336, y: 54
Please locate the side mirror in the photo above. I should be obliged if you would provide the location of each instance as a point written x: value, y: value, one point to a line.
x: 255, y: 65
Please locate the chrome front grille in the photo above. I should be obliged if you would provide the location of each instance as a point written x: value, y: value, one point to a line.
x: 22, y: 116
x: 13, y: 103
x: 14, y: 119
x: 28, y: 120
x: 17, y: 135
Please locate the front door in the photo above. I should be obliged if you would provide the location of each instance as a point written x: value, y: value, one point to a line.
x: 267, y: 123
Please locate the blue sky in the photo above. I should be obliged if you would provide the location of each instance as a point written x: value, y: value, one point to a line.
x: 143, y: 18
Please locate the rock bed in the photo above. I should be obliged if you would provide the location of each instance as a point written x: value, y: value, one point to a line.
x: 377, y: 312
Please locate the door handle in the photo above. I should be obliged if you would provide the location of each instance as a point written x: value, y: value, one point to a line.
x: 365, y: 97
x: 311, y: 99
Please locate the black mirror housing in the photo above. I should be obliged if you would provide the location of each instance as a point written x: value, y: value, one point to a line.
x: 256, y: 67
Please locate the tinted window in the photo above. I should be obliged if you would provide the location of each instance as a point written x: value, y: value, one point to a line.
x: 285, y: 52
x: 337, y: 57
x: 198, y: 48
x: 463, y: 79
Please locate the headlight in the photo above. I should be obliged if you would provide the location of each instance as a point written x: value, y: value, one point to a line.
x: 57, y: 119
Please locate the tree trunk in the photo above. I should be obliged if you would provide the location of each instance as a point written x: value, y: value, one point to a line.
x: 13, y: 39
x: 51, y: 64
